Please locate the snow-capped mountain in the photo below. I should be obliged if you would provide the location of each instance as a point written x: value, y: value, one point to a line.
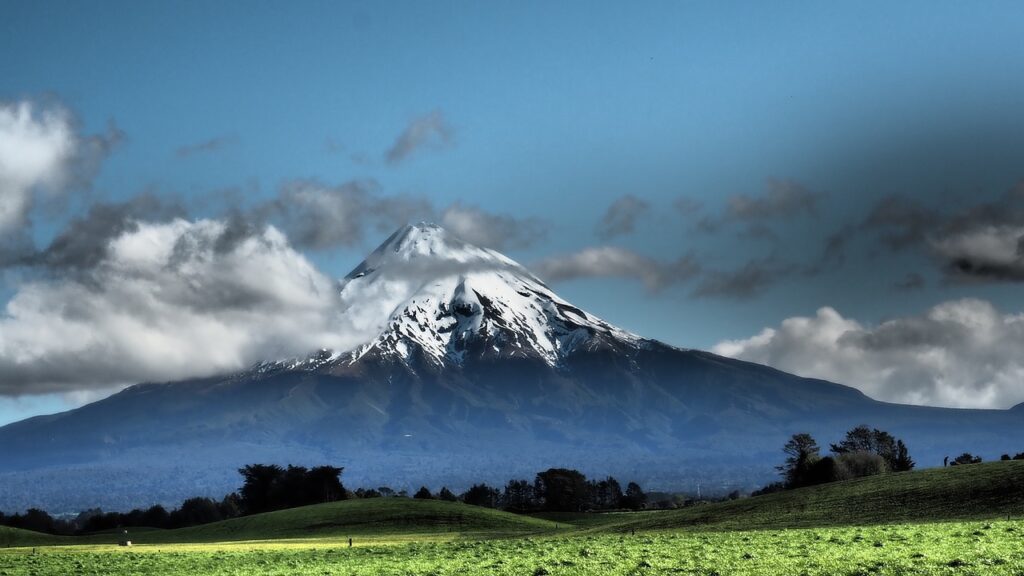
x: 430, y: 291
x: 472, y: 370
x: 430, y: 296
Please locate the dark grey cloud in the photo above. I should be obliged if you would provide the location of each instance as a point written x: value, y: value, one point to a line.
x: 962, y: 353
x: 900, y: 221
x: 498, y: 231
x: 747, y: 281
x: 321, y: 216
x: 912, y: 281
x: 621, y: 216
x: 205, y: 146
x: 784, y: 198
x: 687, y: 206
x: 357, y: 157
x: 430, y: 131
x: 84, y: 242
x: 614, y: 262
x: 979, y: 241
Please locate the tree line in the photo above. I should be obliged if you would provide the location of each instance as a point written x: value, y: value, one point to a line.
x: 268, y: 487
x: 864, y: 451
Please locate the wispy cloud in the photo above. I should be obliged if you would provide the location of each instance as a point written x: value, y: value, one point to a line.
x: 430, y: 131
x: 614, y: 262
x: 205, y: 146
x: 621, y: 216
x: 498, y: 231
x: 744, y: 282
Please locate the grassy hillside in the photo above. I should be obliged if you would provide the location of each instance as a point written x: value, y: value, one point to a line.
x: 978, y: 491
x: 13, y: 537
x: 377, y: 517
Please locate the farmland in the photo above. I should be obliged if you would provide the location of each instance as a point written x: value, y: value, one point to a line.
x: 949, y: 521
x: 939, y: 548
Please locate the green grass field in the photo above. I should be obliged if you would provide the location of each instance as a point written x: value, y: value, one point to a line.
x: 946, y: 521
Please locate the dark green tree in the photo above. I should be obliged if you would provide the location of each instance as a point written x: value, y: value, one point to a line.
x: 519, y: 496
x: 259, y: 483
x: 634, y: 498
x: 482, y: 495
x: 802, y: 452
x: 902, y: 462
x: 562, y: 490
x: 875, y: 441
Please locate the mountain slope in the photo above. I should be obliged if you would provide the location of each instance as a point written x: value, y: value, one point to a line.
x: 475, y: 371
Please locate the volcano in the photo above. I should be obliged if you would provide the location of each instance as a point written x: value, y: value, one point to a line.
x: 477, y: 371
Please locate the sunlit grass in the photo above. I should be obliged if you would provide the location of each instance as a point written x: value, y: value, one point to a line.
x: 937, y: 548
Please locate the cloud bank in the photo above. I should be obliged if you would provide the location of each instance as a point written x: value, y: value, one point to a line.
x: 167, y: 301
x: 961, y: 353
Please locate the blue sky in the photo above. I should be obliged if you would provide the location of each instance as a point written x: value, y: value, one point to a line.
x: 555, y: 111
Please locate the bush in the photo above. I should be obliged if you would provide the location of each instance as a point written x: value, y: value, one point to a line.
x: 966, y: 458
x: 859, y: 465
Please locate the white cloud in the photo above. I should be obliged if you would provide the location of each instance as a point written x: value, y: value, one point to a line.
x: 169, y: 301
x: 961, y: 353
x: 614, y: 262
x: 36, y: 150
x: 987, y: 252
x: 42, y: 155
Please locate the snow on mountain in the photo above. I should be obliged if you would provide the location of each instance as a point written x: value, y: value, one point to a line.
x: 426, y: 290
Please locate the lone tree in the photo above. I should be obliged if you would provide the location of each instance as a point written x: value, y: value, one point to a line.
x: 802, y: 452
x: 903, y: 462
x: 634, y: 498
x: 423, y: 494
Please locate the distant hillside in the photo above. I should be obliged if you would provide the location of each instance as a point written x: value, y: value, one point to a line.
x: 974, y: 492
x: 13, y: 537
x: 371, y: 518
x: 374, y: 517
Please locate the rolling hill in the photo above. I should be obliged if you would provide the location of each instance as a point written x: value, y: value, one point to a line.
x: 976, y: 492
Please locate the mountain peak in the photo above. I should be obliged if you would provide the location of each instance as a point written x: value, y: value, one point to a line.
x: 427, y: 245
x: 429, y: 293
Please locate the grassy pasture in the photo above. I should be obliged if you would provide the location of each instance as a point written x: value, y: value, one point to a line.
x: 945, y: 521
x: 936, y: 548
